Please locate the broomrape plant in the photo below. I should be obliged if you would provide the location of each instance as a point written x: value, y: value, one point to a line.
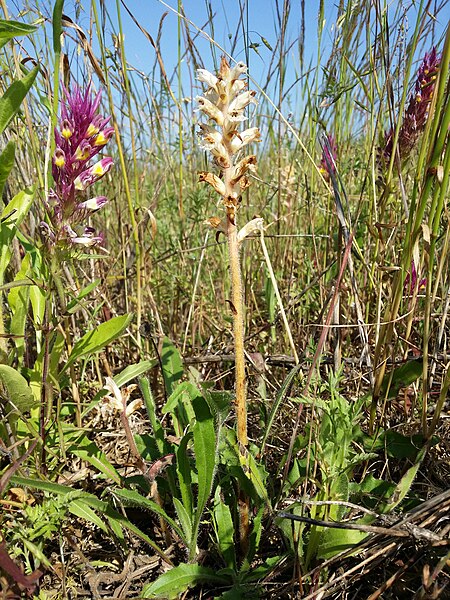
x: 224, y: 103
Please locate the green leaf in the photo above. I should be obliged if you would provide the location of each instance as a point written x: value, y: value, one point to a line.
x: 12, y: 29
x: 98, y: 338
x: 405, y: 483
x: 219, y: 402
x: 370, y: 491
x: 185, y: 520
x: 224, y: 528
x: 82, y: 510
x: 12, y: 216
x: 254, y: 540
x: 172, y: 365
x: 334, y: 541
x: 281, y: 395
x: 250, y: 471
x: 397, y: 445
x: 15, y: 211
x: 57, y: 25
x: 181, y: 578
x: 179, y: 404
x: 18, y: 302
x: 150, y: 405
x: 238, y: 592
x: 205, y: 448
x: 13, y: 97
x: 6, y: 163
x: 17, y: 389
x: 75, y: 304
x: 89, y: 452
x: 400, y: 378
x: 133, y: 371
x: 184, y: 476
x: 291, y: 529
x: 133, y: 498
x: 57, y: 348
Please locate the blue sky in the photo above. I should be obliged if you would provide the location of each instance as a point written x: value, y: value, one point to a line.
x: 261, y: 26
x: 262, y: 22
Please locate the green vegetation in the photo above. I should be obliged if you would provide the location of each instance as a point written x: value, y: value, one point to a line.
x: 237, y: 390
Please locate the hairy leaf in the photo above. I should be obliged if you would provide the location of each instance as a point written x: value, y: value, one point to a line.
x: 17, y: 389
x: 172, y: 365
x: 180, y: 579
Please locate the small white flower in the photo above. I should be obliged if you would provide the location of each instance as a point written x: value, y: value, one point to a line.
x: 114, y: 397
x: 209, y: 135
x: 219, y: 151
x: 206, y: 77
x: 242, y: 101
x: 238, y: 86
x: 207, y: 107
x: 236, y: 116
x: 117, y: 399
x: 245, y: 137
x: 239, y: 69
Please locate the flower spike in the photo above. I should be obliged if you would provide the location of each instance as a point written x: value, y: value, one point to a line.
x: 79, y: 138
x: 224, y: 103
x: 416, y: 115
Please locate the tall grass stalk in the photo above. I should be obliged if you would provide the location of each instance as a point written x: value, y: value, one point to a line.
x: 123, y: 164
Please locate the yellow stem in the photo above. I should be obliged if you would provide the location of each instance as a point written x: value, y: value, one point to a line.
x: 238, y: 327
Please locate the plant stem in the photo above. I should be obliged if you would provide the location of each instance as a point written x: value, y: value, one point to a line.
x: 238, y: 327
x: 241, y: 384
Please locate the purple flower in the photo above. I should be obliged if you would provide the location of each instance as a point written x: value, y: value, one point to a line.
x: 329, y: 155
x: 416, y: 114
x: 81, y: 134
